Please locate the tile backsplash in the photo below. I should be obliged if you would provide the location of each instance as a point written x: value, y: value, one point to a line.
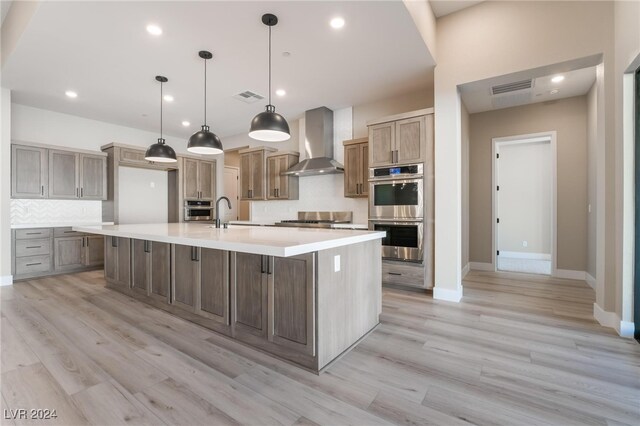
x: 24, y: 211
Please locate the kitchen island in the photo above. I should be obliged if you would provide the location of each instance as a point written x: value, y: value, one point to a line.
x: 305, y: 295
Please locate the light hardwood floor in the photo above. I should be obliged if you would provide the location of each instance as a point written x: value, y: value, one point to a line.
x: 517, y: 350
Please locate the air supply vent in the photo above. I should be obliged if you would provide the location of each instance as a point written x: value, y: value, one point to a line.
x: 512, y: 87
x: 248, y: 97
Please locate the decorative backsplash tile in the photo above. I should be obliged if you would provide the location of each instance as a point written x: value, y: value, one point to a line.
x: 25, y: 211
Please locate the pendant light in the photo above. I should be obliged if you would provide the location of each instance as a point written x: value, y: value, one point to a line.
x: 269, y: 126
x: 205, y: 141
x: 161, y: 152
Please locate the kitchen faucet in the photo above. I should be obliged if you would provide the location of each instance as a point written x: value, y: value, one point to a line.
x: 217, y: 222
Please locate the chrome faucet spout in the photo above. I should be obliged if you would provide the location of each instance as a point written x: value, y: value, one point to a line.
x: 217, y: 222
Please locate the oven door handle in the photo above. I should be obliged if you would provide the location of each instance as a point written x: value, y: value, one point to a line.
x: 398, y: 220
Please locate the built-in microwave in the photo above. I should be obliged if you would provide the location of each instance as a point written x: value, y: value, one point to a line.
x: 404, y: 239
x: 198, y: 210
x: 396, y: 192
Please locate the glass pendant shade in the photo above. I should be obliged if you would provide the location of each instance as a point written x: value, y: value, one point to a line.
x: 269, y: 126
x: 204, y: 142
x: 160, y: 152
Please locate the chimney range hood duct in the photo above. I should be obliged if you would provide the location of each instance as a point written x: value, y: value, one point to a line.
x: 318, y: 146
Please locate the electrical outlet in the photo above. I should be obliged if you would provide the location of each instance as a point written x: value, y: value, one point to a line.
x: 336, y: 263
x: 525, y: 244
x: 589, y: 208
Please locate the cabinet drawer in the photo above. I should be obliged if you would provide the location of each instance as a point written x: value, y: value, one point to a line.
x: 33, y: 264
x: 33, y: 247
x: 24, y: 234
x: 66, y: 232
x: 403, y: 274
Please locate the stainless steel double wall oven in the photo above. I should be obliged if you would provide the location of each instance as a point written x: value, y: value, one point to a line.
x: 396, y: 205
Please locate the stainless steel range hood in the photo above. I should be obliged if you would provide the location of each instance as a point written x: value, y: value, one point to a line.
x: 318, y: 146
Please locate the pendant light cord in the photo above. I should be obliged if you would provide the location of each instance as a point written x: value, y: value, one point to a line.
x: 269, y: 65
x: 205, y: 92
x: 161, y: 83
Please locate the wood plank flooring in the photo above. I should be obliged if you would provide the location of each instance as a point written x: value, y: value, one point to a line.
x: 518, y: 350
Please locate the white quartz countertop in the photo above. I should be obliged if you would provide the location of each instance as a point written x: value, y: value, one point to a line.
x: 266, y: 240
x: 57, y: 224
x: 272, y: 223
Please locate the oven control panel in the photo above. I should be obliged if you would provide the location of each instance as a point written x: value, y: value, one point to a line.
x: 411, y: 170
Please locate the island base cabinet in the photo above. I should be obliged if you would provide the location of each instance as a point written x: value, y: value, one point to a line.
x: 151, y: 263
x: 273, y: 302
x: 185, y: 277
x: 212, y: 299
x: 117, y: 262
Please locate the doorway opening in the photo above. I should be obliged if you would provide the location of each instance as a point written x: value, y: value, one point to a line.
x: 524, y: 203
x: 240, y: 210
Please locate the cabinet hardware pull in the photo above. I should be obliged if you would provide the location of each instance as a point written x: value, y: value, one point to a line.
x: 262, y: 264
x: 69, y: 232
x: 33, y: 264
x: 34, y: 233
x: 42, y: 190
x: 81, y: 192
x: 87, y: 241
x: 34, y: 246
x: 114, y: 241
x: 269, y: 271
x: 82, y: 241
x: 394, y: 273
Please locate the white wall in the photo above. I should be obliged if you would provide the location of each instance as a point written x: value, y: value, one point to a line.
x: 468, y: 43
x: 464, y: 121
x: 592, y: 190
x: 5, y: 186
x: 144, y: 196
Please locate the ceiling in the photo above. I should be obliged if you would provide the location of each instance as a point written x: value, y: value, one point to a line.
x: 102, y: 51
x: 477, y: 96
x: 444, y: 7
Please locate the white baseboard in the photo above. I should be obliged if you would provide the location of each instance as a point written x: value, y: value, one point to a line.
x: 626, y: 329
x: 465, y: 270
x: 446, y: 294
x: 570, y: 275
x: 590, y: 280
x: 6, y: 280
x: 524, y: 255
x: 481, y: 266
x: 605, y: 318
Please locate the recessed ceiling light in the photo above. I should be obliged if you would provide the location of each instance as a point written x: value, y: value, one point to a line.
x: 337, y: 23
x: 557, y: 78
x: 186, y: 123
x: 281, y: 92
x: 554, y: 91
x: 154, y: 30
x: 71, y: 94
x: 168, y: 98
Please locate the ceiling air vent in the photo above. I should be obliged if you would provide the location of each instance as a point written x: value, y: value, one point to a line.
x: 512, y: 87
x: 248, y: 97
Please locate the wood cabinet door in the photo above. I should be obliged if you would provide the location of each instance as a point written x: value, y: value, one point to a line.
x: 93, y: 177
x: 184, y: 280
x: 284, y: 163
x: 246, y: 176
x: 410, y: 140
x: 160, y: 283
x: 258, y: 185
x: 68, y: 253
x: 213, y: 298
x: 273, y: 178
x: 190, y: 179
x: 352, y: 172
x: 63, y: 175
x: 124, y: 261
x: 207, y: 180
x: 364, y: 170
x: 140, y: 273
x: 381, y: 144
x: 111, y: 259
x: 291, y: 312
x: 29, y: 172
x: 250, y: 295
x: 94, y: 253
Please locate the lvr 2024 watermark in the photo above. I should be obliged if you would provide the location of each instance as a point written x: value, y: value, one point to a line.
x: 29, y: 414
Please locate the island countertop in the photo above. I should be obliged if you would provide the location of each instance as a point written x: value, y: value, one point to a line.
x: 270, y: 241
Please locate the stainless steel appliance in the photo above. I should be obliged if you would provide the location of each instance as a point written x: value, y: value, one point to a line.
x: 396, y: 192
x: 317, y: 219
x: 404, y: 239
x: 198, y: 210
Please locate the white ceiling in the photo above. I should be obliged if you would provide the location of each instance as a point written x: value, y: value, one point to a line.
x: 444, y: 7
x: 102, y: 51
x: 477, y: 96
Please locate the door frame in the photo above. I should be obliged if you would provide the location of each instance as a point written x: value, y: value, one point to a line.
x: 522, y: 139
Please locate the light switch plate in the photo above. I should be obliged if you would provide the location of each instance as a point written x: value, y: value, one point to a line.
x: 336, y: 263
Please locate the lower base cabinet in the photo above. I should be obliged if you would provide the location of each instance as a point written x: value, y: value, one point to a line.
x: 117, y: 262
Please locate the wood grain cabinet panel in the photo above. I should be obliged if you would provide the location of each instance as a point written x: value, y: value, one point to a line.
x: 199, y: 179
x: 93, y: 177
x: 29, y: 172
x: 160, y: 282
x: 140, y: 263
x: 190, y: 179
x: 69, y: 253
x: 356, y: 168
x: 94, y: 254
x: 250, y: 309
x: 258, y: 175
x: 213, y: 300
x: 185, y: 276
x: 279, y: 186
x: 410, y: 140
x: 253, y: 173
x: 63, y: 175
x: 382, y: 142
x: 207, y: 179
x: 117, y: 262
x: 403, y: 141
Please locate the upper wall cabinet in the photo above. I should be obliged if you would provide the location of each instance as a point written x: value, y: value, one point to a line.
x: 253, y: 179
x: 199, y: 179
x: 279, y: 186
x: 356, y: 168
x: 29, y: 172
x: 400, y: 139
x: 38, y: 172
